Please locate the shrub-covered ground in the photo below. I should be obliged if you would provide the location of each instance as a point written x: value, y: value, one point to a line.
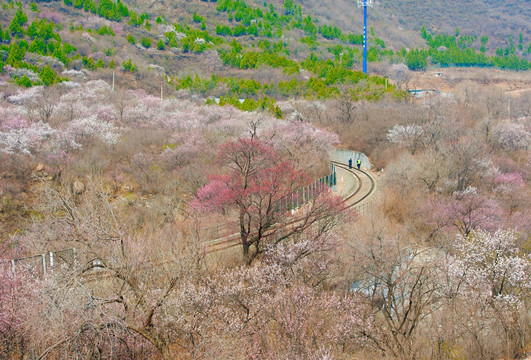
x: 438, y: 268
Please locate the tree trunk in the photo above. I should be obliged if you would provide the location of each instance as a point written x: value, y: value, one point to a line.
x: 246, y: 247
x: 244, y: 235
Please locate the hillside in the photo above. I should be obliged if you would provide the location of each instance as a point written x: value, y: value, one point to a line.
x: 291, y: 49
x: 400, y: 21
x: 495, y: 19
x: 397, y: 22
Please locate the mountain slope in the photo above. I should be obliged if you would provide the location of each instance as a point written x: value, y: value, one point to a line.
x: 289, y: 49
x: 400, y: 21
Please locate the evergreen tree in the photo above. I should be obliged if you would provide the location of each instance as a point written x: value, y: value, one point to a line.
x: 47, y: 75
x: 20, y: 18
x: 289, y: 7
x: 416, y: 60
x: 146, y: 42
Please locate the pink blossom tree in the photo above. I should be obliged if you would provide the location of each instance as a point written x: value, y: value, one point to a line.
x: 257, y: 186
x: 12, y: 117
x: 511, y: 187
x: 18, y: 293
x: 464, y: 211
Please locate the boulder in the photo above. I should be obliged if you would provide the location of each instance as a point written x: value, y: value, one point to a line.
x: 78, y: 187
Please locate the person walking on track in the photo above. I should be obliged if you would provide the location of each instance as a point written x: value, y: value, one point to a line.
x: 350, y: 164
x: 359, y: 163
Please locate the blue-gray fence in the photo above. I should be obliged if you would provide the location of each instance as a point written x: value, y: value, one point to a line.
x: 343, y: 156
x: 292, y: 202
x: 303, y: 196
x: 40, y: 264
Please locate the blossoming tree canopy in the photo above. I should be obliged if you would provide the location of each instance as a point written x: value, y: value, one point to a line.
x: 254, y: 187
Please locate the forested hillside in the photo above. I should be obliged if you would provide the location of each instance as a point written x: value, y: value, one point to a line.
x: 304, y: 53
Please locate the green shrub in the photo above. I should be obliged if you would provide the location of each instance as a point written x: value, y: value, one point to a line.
x: 34, y: 7
x: 24, y: 81
x: 223, y: 30
x: 355, y: 39
x: 197, y: 19
x: 416, y: 60
x: 106, y: 30
x: 130, y: 66
x: 239, y: 30
x: 47, y: 75
x: 89, y: 63
x: 146, y: 42
x: 20, y: 18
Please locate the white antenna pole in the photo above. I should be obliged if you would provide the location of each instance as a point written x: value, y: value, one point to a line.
x: 162, y: 90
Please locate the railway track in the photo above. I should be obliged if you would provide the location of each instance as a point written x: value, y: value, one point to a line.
x: 366, y: 187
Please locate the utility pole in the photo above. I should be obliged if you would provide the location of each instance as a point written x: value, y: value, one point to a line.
x: 113, y: 81
x: 364, y: 4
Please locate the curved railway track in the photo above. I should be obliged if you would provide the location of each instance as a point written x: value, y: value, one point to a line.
x: 366, y: 187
